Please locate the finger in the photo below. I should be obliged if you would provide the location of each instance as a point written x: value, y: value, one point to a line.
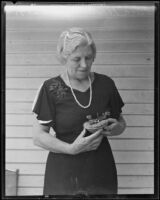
x: 94, y: 135
x: 82, y: 133
x: 97, y: 140
x: 106, y: 133
x: 92, y: 129
x: 100, y: 124
x: 92, y: 147
x: 104, y: 122
x: 112, y: 120
x: 96, y: 145
x: 110, y: 127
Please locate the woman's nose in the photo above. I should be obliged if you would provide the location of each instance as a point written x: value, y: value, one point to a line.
x: 83, y: 63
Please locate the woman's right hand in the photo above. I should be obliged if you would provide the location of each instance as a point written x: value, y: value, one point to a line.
x: 89, y: 143
x: 93, y: 127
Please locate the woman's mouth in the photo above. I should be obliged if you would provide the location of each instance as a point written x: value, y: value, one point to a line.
x: 83, y: 71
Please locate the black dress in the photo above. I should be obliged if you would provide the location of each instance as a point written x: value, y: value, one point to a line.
x: 92, y: 172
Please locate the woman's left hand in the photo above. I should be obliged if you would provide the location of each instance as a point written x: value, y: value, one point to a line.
x: 113, y: 128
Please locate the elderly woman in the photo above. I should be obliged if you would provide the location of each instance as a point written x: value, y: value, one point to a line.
x: 80, y: 160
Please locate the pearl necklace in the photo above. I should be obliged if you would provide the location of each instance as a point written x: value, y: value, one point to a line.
x: 90, y: 98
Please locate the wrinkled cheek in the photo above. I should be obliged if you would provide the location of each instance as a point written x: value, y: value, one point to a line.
x: 72, y: 71
x: 90, y: 66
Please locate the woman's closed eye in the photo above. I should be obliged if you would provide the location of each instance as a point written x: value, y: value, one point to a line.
x: 88, y: 58
x: 77, y: 59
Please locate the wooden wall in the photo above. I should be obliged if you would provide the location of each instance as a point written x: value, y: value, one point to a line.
x: 125, y: 51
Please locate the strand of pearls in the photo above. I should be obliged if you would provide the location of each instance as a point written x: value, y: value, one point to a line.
x: 90, y: 97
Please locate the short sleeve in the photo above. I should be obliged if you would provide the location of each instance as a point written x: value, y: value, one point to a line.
x: 43, y: 106
x: 116, y: 102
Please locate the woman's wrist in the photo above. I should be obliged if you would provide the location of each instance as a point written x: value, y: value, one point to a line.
x: 119, y: 129
x: 68, y: 149
x: 116, y: 130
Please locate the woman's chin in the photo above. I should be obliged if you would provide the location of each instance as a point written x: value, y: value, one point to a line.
x: 82, y: 75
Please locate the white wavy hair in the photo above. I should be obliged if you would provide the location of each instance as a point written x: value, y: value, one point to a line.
x: 70, y: 39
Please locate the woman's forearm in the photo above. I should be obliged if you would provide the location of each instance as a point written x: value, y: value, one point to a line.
x: 116, y: 128
x: 51, y: 143
x: 120, y: 128
x: 43, y: 139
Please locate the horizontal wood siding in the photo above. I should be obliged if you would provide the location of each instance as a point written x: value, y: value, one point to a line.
x: 125, y: 51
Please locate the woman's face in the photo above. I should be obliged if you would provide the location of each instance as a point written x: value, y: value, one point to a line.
x: 79, y: 62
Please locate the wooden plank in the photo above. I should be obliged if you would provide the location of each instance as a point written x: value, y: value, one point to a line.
x: 133, y: 157
x: 122, y: 169
x: 31, y: 181
x: 12, y: 83
x: 19, y: 131
x: 102, y: 46
x: 19, y: 120
x: 130, y: 132
x: 135, y: 169
x: 51, y: 71
x: 124, y: 181
x: 136, y: 181
x: 20, y: 95
x: 35, y: 169
x: 136, y: 191
x: 121, y: 83
x: 25, y: 108
x: 39, y: 191
x: 114, y: 23
x: 15, y: 156
x: 122, y: 145
x: 129, y: 96
x: 101, y: 34
x: 19, y: 108
x: 138, y: 109
x: 101, y: 58
x: 129, y: 145
x: 27, y: 191
x: 125, y: 46
x: 137, y: 132
x: 131, y: 120
x: 139, y: 120
x: 31, y: 71
x: 134, y: 83
x: 21, y: 144
x: 137, y: 96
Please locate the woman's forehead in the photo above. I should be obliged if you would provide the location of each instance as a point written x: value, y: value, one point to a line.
x: 82, y: 50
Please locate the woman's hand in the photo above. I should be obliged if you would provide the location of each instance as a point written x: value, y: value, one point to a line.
x: 89, y: 143
x: 93, y: 127
x: 114, y: 127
